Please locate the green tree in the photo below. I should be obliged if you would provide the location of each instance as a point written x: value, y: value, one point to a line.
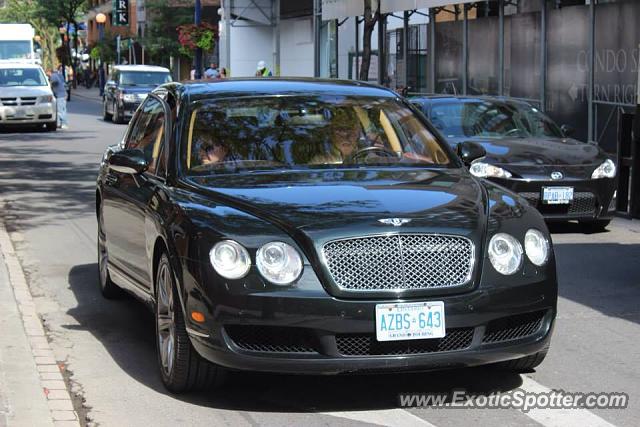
x: 161, y: 39
x: 29, y: 12
x: 66, y: 12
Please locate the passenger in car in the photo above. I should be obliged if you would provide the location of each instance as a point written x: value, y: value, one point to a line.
x: 212, y: 152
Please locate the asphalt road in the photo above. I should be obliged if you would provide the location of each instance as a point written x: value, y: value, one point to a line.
x: 47, y: 184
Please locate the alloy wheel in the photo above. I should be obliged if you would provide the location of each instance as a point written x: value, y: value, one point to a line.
x: 103, y: 255
x: 165, y: 319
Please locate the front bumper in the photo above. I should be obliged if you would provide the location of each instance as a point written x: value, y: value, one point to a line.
x: 128, y: 108
x: 305, y: 332
x: 28, y: 114
x: 593, y: 198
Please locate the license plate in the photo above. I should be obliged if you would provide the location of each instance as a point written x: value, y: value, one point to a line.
x: 557, y: 195
x: 410, y: 321
x: 19, y: 113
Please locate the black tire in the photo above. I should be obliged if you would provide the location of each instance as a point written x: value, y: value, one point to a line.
x: 596, y: 226
x: 524, y: 364
x: 181, y: 369
x: 117, y: 116
x: 107, y: 117
x: 51, y: 126
x: 108, y: 289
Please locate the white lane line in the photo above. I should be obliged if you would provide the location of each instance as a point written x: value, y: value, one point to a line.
x: 383, y: 417
x: 559, y: 417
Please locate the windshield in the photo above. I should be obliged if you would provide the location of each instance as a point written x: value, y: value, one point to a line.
x: 143, y: 78
x: 22, y: 77
x: 301, y: 132
x: 15, y: 49
x: 490, y: 119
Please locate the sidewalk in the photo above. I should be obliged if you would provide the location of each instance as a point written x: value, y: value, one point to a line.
x: 83, y: 92
x: 32, y: 389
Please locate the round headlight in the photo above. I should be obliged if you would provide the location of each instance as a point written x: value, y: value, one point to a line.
x: 230, y: 259
x: 536, y: 247
x: 505, y: 253
x: 485, y: 170
x: 279, y: 263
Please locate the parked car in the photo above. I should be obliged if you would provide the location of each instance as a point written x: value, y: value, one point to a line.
x: 316, y: 227
x: 127, y: 87
x: 26, y: 97
x: 527, y: 152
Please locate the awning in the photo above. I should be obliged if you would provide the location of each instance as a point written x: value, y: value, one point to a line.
x: 340, y: 9
x: 390, y: 6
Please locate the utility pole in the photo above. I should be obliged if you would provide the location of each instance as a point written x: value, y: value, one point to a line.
x: 196, y: 20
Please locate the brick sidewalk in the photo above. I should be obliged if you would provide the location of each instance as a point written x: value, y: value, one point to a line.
x: 32, y: 388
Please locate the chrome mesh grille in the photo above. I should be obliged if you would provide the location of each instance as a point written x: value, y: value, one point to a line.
x: 584, y: 203
x: 366, y: 345
x: 400, y: 261
x: 514, y: 327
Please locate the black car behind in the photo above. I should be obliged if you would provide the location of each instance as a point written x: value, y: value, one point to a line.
x: 528, y: 153
x: 127, y: 87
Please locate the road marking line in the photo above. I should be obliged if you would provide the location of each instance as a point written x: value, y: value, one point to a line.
x: 383, y: 417
x: 559, y: 417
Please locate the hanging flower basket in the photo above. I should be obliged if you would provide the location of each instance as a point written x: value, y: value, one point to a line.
x: 191, y: 37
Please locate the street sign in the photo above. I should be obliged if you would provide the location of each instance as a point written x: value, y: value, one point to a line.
x: 120, y: 13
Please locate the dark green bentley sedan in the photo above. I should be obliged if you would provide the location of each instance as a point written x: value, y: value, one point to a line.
x: 316, y: 227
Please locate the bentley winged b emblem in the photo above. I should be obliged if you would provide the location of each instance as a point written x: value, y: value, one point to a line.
x: 396, y: 222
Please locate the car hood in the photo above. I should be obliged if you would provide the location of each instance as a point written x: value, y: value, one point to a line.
x: 24, y: 91
x: 354, y: 199
x: 538, y: 151
x: 137, y: 89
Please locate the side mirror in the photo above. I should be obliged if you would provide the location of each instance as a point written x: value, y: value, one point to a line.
x: 470, y: 151
x: 130, y: 161
x: 567, y: 130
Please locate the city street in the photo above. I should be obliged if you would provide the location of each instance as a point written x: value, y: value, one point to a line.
x: 47, y: 202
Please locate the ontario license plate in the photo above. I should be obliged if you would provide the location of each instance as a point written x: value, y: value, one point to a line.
x: 410, y: 321
x: 557, y: 195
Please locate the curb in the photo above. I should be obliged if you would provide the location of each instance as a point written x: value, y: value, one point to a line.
x: 49, y: 371
x: 83, y: 96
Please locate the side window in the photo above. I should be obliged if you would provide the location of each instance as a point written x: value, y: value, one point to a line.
x: 147, y: 134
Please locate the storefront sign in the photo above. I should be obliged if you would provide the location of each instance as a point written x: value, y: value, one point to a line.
x: 120, y: 13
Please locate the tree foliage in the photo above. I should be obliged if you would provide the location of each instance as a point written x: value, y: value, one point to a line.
x: 31, y: 12
x: 62, y: 11
x: 160, y: 40
x: 104, y: 49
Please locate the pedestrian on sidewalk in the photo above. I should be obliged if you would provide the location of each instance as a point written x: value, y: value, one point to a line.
x: 60, y: 92
x: 212, y: 72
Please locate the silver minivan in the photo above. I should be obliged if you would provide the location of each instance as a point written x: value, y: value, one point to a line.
x: 25, y: 96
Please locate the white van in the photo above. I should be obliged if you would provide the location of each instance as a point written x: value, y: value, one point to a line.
x: 25, y: 96
x: 16, y: 43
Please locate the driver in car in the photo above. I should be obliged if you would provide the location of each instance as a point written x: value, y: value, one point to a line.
x: 345, y: 134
